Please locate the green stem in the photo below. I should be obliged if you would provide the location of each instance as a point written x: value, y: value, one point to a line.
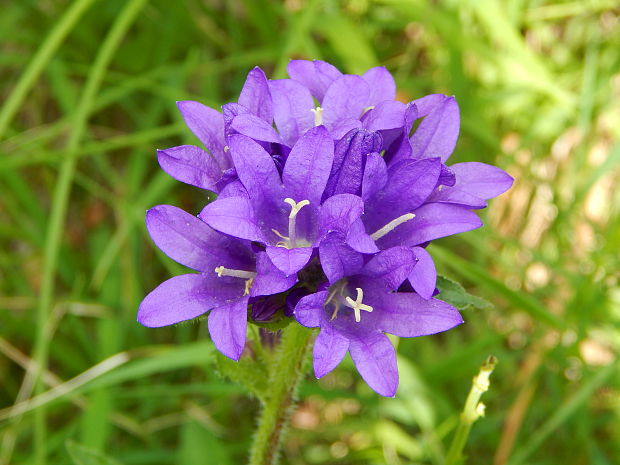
x: 62, y: 190
x: 473, y: 410
x: 287, y: 371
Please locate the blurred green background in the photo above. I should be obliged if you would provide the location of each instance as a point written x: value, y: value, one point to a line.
x: 88, y: 91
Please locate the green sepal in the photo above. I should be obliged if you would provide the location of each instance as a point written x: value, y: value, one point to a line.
x: 455, y: 294
x: 275, y: 325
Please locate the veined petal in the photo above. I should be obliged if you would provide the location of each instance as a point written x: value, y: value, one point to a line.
x: 233, y: 216
x: 206, y: 123
x: 192, y: 243
x: 345, y: 98
x: 227, y: 327
x: 292, y: 105
x: 308, y: 166
x: 432, y: 221
x: 386, y: 115
x: 423, y: 277
x: 437, y: 133
x: 317, y: 75
x: 341, y: 128
x: 255, y: 127
x: 481, y: 180
x: 269, y: 279
x: 406, y: 314
x: 381, y: 84
x: 375, y: 176
x: 330, y: 347
x: 185, y: 297
x: 338, y: 212
x: 375, y: 359
x: 409, y: 184
x: 391, y: 266
x: 289, y: 261
x: 338, y: 259
x: 309, y: 309
x: 359, y: 239
x: 191, y: 165
x: 255, y: 95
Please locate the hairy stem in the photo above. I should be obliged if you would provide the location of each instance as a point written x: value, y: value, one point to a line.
x: 286, y: 373
x: 473, y: 410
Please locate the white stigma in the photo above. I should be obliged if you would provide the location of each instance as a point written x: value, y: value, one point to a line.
x: 292, y: 220
x: 318, y: 115
x: 247, y: 275
x: 357, y: 304
x: 391, y: 225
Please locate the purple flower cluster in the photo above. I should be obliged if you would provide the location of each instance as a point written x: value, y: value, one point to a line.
x: 327, y: 198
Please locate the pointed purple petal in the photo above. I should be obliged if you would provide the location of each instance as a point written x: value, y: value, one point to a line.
x: 254, y: 127
x: 481, y: 180
x: 410, y: 183
x: 292, y: 105
x: 330, y: 347
x: 375, y: 359
x: 308, y: 166
x: 409, y: 315
x: 185, y: 297
x: 191, y: 165
x: 345, y: 98
x: 289, y: 261
x: 375, y: 175
x: 227, y: 327
x: 309, y: 309
x: 206, y: 123
x: 317, y: 76
x: 233, y: 216
x: 391, y: 266
x: 359, y: 239
x: 190, y: 242
x: 381, y: 84
x: 255, y: 95
x: 423, y: 277
x: 437, y: 133
x: 386, y: 115
x: 457, y: 197
x: 432, y: 221
x: 256, y: 170
x: 338, y: 213
x: 338, y: 259
x: 428, y: 104
x: 269, y: 279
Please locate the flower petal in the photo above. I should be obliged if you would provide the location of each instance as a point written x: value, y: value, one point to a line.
x: 381, y: 84
x: 386, y: 115
x: 432, y: 221
x: 185, y: 297
x: 437, y: 133
x: 317, y: 76
x: 191, y: 165
x: 206, y: 123
x: 338, y: 213
x: 406, y: 314
x: 391, y: 266
x: 308, y: 166
x: 330, y: 347
x: 227, y: 327
x: 338, y: 259
x: 233, y: 216
x: 289, y: 261
x: 292, y: 105
x: 349, y: 161
x: 309, y: 309
x: 375, y: 359
x: 254, y: 127
x: 359, y: 239
x: 345, y: 98
x: 409, y: 184
x: 423, y: 277
x: 481, y: 180
x: 255, y: 95
x: 269, y: 279
x: 375, y: 175
x: 190, y: 242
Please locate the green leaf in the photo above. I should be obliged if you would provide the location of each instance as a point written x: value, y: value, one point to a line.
x: 249, y: 372
x: 82, y: 455
x: 455, y: 294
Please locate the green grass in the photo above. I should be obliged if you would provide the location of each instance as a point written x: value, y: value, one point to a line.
x: 88, y: 93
